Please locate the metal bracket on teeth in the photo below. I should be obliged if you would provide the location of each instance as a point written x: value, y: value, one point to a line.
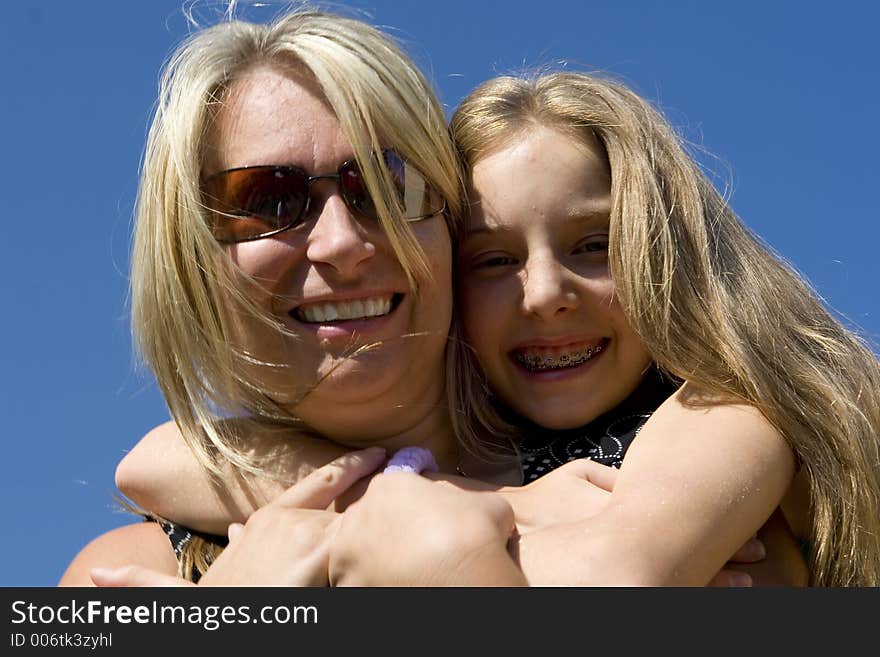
x: 565, y: 360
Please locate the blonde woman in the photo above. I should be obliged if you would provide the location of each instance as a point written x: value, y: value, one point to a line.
x: 282, y: 181
x: 292, y: 268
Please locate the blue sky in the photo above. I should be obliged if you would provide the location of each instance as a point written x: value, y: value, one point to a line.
x: 783, y: 94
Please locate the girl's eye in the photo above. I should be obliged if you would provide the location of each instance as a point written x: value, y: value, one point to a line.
x: 490, y: 261
x: 498, y: 261
x: 598, y: 244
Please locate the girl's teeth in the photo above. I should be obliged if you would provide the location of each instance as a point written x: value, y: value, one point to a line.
x: 541, y: 362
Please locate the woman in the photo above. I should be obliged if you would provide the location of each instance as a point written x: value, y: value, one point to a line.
x: 229, y: 323
x: 296, y: 175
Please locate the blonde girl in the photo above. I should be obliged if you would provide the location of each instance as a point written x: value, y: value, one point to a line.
x: 586, y: 205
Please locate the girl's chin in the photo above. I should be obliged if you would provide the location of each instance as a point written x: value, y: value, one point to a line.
x: 558, y: 418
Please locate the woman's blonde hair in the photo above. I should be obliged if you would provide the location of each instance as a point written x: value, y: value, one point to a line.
x: 712, y: 304
x: 183, y: 283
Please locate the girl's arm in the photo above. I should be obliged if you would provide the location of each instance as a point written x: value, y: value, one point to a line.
x: 161, y: 475
x: 696, y: 484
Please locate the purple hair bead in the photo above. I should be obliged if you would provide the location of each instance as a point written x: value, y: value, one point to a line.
x: 412, y: 459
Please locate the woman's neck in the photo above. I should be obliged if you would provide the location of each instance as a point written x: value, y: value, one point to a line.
x: 393, y: 422
x: 430, y: 429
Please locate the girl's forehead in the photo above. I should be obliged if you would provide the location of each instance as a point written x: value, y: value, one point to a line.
x: 546, y: 177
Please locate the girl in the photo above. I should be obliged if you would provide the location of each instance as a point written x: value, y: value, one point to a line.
x: 593, y: 246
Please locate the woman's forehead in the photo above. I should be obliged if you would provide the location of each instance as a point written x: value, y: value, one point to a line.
x: 273, y: 115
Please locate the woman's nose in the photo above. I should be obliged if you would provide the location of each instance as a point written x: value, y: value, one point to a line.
x: 338, y: 239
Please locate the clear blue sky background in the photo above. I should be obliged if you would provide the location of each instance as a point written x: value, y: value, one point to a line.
x: 784, y: 93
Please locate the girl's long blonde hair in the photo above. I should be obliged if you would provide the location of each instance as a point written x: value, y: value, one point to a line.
x: 711, y: 303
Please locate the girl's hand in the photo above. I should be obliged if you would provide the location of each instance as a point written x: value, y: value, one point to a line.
x: 134, y: 576
x: 575, y: 491
x: 772, y: 559
x: 408, y: 530
x: 284, y: 543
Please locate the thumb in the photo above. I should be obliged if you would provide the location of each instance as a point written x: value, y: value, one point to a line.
x: 134, y: 576
x: 600, y: 475
x: 752, y: 551
x: 320, y: 487
x: 234, y: 531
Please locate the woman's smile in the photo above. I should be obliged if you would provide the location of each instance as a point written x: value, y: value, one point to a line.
x: 354, y: 322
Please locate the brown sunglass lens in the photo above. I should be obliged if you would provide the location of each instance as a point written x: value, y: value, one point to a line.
x: 355, y: 191
x: 249, y: 203
x: 418, y: 198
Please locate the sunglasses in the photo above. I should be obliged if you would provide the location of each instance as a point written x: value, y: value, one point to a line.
x: 249, y: 203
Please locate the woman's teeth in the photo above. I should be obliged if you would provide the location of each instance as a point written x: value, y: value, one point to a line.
x: 538, y: 362
x: 344, y: 310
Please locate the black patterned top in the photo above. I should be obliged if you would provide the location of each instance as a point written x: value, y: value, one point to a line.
x: 180, y: 536
x: 604, y: 440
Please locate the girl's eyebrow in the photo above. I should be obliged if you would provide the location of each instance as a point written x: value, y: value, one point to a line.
x: 483, y: 229
x: 594, y: 213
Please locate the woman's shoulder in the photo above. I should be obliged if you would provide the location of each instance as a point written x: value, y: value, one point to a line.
x: 143, y: 544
